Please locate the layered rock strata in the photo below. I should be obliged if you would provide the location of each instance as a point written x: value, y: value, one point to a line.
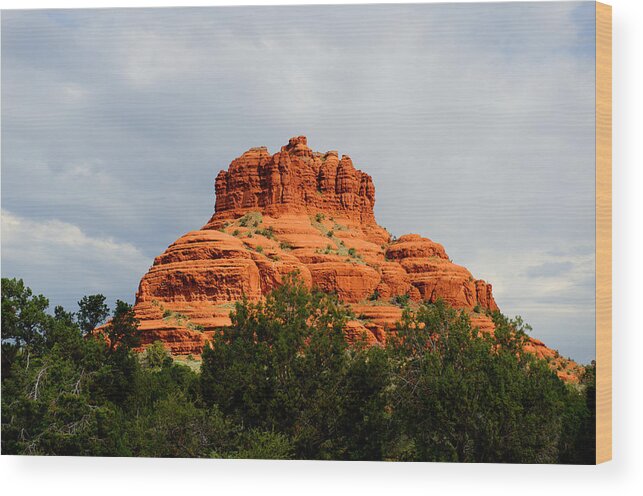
x: 304, y: 211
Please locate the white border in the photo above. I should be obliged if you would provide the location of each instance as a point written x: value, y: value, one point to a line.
x: 624, y: 475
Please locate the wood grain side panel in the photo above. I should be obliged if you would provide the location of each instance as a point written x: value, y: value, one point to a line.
x: 603, y: 232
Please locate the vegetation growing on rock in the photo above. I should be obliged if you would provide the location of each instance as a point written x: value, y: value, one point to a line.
x: 285, y: 380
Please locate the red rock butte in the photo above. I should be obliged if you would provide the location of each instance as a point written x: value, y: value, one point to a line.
x: 310, y: 212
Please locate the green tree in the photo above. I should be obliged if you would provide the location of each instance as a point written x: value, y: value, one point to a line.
x: 264, y: 445
x: 122, y: 331
x: 177, y: 428
x: 116, y: 380
x: 285, y: 365
x: 92, y: 311
x: 285, y: 382
x: 47, y: 404
x: 156, y: 356
x: 578, y: 443
x: 465, y: 397
x: 24, y: 319
x: 365, y: 423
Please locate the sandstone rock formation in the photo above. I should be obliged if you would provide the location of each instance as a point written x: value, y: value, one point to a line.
x: 295, y: 179
x: 298, y: 210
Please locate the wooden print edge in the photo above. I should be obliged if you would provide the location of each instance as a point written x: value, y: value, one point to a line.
x: 603, y: 232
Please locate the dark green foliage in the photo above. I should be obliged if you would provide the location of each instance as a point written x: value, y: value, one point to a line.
x: 401, y: 300
x: 92, y: 311
x: 261, y: 444
x: 268, y: 232
x: 122, y: 331
x: 177, y: 428
x: 24, y: 320
x: 578, y: 443
x: 156, y: 356
x: 282, y: 367
x: 284, y: 383
x: 463, y: 398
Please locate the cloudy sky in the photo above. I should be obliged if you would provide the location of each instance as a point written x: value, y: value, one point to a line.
x: 476, y: 122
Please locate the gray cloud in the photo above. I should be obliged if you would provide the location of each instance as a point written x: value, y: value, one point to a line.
x: 550, y: 269
x: 475, y: 120
x: 56, y: 255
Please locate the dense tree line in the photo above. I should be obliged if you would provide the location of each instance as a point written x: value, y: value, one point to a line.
x: 283, y: 382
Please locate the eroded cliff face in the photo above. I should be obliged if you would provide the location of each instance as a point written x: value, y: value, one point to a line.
x: 299, y: 210
x: 294, y: 180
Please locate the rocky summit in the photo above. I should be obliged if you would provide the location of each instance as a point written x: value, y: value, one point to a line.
x: 309, y: 212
